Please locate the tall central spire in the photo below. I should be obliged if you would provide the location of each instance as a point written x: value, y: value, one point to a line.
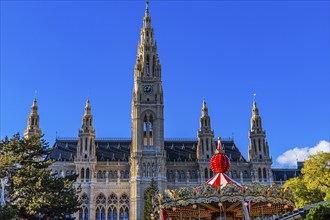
x: 147, y: 145
x: 147, y: 62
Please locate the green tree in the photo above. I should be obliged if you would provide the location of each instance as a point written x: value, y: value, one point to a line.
x: 314, y: 183
x: 33, y: 191
x: 316, y: 172
x: 303, y: 196
x: 149, y: 195
x: 320, y: 212
x: 7, y: 212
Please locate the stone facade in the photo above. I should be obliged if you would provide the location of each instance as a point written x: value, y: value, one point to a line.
x: 114, y: 173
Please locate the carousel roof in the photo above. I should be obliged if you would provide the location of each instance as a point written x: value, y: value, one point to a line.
x: 221, y: 179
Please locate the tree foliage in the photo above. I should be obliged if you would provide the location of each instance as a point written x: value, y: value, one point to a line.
x: 149, y: 195
x: 33, y: 191
x: 313, y: 184
x: 316, y: 172
x: 320, y: 212
x: 302, y: 194
x: 7, y: 212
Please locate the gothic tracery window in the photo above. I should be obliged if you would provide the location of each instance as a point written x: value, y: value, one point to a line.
x: 124, y: 204
x: 100, y: 210
x: 83, y: 212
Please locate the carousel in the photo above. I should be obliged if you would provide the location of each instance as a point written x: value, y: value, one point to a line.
x: 223, y: 198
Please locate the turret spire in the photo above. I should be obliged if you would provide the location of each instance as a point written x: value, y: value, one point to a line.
x: 204, y: 109
x: 33, y: 121
x: 86, y: 144
x: 87, y: 120
x: 87, y: 108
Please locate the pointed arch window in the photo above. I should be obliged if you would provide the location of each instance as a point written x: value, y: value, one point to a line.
x: 83, y: 213
x: 112, y: 213
x: 124, y: 203
x: 259, y: 174
x: 82, y: 174
x: 100, y: 213
x: 86, y: 143
x: 148, y: 120
x: 264, y: 173
x: 123, y: 213
x: 87, y: 175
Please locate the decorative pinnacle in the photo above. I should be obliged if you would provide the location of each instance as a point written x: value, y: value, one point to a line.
x: 87, y: 108
x: 147, y: 5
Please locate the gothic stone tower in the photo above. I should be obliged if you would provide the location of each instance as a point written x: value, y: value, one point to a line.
x: 147, y: 156
x: 206, y: 145
x: 258, y: 149
x: 33, y: 121
x: 85, y: 159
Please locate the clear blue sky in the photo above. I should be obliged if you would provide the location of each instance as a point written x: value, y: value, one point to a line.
x: 223, y: 51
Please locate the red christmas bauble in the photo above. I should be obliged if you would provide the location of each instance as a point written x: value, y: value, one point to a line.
x: 220, y: 163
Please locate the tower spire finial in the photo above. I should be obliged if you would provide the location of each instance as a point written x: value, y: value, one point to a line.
x: 147, y: 5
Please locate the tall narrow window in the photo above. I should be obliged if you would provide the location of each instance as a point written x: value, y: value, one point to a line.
x: 148, y: 66
x: 259, y: 174
x: 86, y: 143
x: 145, y: 130
x: 206, y: 173
x: 265, y: 173
x: 153, y: 65
x: 112, y: 213
x: 151, y: 127
x: 82, y: 174
x: 87, y: 174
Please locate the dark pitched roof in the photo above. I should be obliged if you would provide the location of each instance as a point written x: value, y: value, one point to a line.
x: 119, y: 149
x: 283, y: 174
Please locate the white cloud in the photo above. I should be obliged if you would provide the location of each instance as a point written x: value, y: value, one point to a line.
x: 290, y: 157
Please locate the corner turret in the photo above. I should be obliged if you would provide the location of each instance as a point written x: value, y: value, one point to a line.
x: 33, y: 121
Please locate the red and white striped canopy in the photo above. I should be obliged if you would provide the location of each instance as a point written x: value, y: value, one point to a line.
x: 221, y: 179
